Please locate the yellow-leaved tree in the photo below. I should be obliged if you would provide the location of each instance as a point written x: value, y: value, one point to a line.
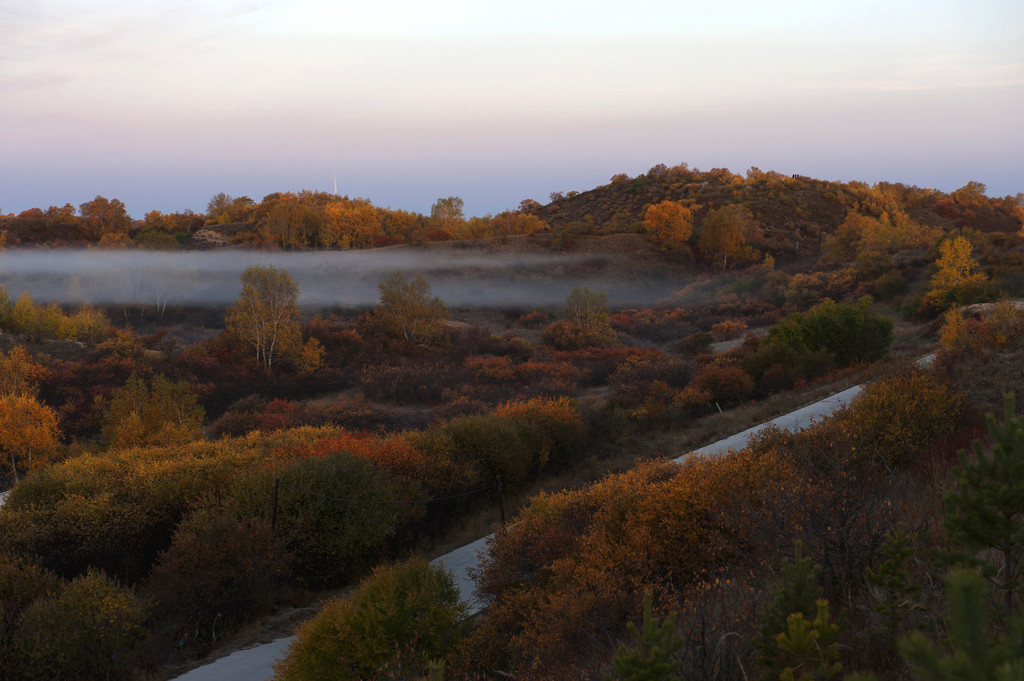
x: 161, y: 413
x: 266, y: 315
x: 956, y: 268
x: 408, y: 313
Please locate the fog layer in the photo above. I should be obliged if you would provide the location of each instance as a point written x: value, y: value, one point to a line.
x: 462, y: 278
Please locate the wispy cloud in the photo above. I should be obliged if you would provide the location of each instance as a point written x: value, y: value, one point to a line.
x: 939, y: 72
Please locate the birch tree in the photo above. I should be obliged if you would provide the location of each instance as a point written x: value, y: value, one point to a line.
x: 266, y: 315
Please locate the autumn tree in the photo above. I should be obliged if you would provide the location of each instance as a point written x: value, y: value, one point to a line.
x: 160, y: 413
x: 6, y: 307
x: 447, y: 213
x: 669, y: 222
x: 511, y: 222
x: 30, y: 432
x: 104, y: 217
x: 408, y: 313
x: 725, y: 233
x: 266, y: 315
x: 62, y: 215
x: 585, y: 321
x: 351, y: 224
x: 218, y: 204
x: 20, y: 375
x: 956, y: 268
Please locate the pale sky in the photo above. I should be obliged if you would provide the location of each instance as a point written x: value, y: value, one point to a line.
x: 164, y: 104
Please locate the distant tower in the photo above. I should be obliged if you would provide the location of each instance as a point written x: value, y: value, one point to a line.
x: 335, y: 184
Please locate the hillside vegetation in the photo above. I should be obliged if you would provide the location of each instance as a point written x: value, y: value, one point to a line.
x: 177, y: 474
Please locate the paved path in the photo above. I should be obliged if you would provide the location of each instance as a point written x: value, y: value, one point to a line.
x: 255, y: 664
x: 801, y: 418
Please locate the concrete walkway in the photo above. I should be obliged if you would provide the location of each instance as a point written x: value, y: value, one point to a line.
x: 795, y: 420
x: 255, y: 664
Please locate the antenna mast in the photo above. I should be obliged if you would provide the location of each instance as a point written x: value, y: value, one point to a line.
x: 335, y: 183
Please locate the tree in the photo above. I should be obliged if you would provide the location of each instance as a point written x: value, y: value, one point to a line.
x: 20, y: 375
x: 956, y: 267
x: 408, y: 313
x: 810, y: 646
x: 266, y: 315
x: 585, y: 322
x: 986, y: 512
x: 161, y: 413
x: 447, y: 212
x: 899, y: 597
x: 30, y: 432
x: 655, y: 645
x: 102, y: 217
x: 796, y: 592
x: 725, y: 232
x: 217, y: 205
x: 976, y: 654
x: 588, y: 310
x: 669, y: 222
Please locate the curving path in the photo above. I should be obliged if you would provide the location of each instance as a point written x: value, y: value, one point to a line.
x: 255, y: 664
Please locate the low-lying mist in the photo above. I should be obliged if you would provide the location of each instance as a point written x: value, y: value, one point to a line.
x: 460, y: 277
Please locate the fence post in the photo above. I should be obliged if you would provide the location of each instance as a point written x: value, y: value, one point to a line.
x: 273, y: 508
x: 501, y: 502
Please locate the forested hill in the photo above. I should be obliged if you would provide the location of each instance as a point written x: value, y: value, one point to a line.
x: 796, y: 206
x: 716, y: 212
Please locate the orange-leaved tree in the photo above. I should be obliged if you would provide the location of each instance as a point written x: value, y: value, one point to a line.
x: 31, y: 432
x: 20, y: 375
x: 669, y: 222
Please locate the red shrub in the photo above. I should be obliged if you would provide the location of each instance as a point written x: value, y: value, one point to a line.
x: 727, y: 385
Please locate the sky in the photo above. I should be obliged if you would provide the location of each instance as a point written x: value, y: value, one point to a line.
x: 163, y: 104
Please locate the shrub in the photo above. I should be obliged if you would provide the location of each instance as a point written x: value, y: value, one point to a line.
x: 848, y: 330
x: 533, y: 320
x: 726, y: 385
x: 694, y: 344
x: 408, y: 381
x: 21, y: 583
x: 552, y: 429
x: 633, y: 377
x: 87, y: 631
x: 219, y: 569
x: 401, y: 617
x: 898, y: 417
x: 335, y: 512
x: 728, y: 329
x: 494, y: 443
x: 409, y: 456
x: 570, y: 570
